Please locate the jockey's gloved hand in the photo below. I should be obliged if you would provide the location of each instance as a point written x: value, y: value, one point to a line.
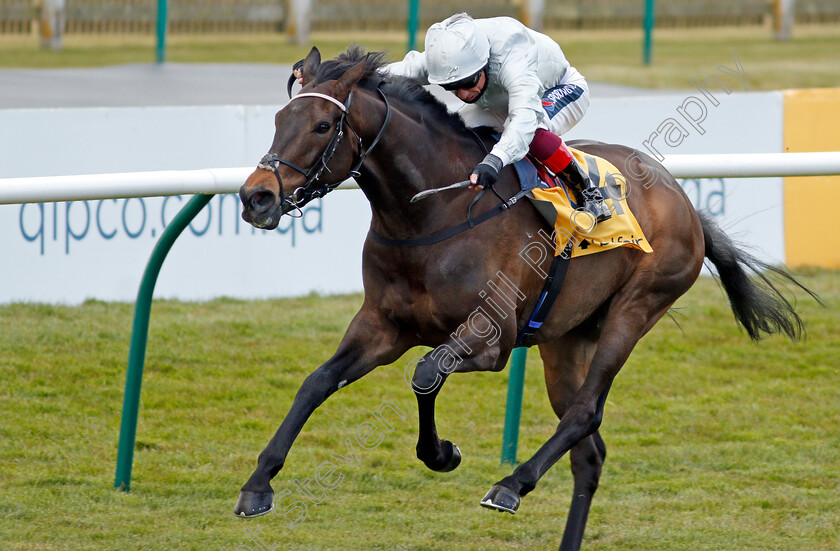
x: 487, y: 171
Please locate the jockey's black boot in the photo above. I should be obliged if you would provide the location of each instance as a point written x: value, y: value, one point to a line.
x: 593, y: 200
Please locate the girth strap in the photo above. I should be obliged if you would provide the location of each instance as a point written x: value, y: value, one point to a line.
x: 551, y: 289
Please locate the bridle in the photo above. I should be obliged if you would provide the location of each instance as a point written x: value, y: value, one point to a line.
x: 305, y: 193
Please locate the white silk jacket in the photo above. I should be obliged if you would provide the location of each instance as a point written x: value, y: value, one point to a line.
x: 523, y: 64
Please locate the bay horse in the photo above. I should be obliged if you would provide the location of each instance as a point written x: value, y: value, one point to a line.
x: 397, y: 140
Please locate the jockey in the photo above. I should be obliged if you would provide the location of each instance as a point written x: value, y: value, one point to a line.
x: 521, y: 81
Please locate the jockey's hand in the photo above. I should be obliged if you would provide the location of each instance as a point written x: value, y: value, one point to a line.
x: 297, y: 70
x: 486, y: 172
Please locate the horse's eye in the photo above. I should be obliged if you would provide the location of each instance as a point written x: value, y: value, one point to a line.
x: 322, y: 128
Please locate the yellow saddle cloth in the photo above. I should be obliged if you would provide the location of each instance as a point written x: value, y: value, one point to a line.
x: 622, y: 230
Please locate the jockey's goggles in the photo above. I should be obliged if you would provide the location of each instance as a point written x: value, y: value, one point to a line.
x: 463, y: 84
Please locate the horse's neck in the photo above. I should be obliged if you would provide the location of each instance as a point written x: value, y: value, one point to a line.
x: 411, y: 157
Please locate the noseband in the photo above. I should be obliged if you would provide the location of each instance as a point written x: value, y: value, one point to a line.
x: 305, y: 193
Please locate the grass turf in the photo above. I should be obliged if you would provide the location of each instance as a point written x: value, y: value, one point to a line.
x: 809, y: 59
x: 713, y: 442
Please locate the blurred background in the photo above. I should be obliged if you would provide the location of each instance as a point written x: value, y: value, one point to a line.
x: 604, y: 38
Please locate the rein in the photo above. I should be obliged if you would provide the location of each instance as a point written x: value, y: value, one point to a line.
x: 305, y: 193
x: 443, y: 235
x: 470, y: 223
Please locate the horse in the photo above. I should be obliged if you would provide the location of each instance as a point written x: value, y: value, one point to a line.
x: 424, y: 281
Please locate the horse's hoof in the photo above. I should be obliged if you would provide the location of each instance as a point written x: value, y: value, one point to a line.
x: 253, y: 504
x: 501, y: 499
x: 454, y: 458
x: 448, y: 450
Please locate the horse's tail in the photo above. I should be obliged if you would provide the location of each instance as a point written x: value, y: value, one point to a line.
x: 758, y: 305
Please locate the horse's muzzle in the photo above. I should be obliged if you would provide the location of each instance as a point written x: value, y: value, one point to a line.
x: 261, y: 209
x: 261, y: 204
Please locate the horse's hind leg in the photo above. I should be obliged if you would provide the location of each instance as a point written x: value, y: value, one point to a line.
x: 633, y: 310
x: 587, y: 458
x: 566, y: 363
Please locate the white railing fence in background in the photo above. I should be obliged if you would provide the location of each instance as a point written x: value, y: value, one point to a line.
x: 228, y: 180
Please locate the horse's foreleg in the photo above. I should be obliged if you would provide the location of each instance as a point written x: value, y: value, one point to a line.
x: 438, y: 455
x: 369, y: 342
x: 431, y: 371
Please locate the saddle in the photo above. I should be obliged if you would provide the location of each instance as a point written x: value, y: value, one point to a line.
x: 558, y: 204
x: 574, y: 232
x: 552, y: 199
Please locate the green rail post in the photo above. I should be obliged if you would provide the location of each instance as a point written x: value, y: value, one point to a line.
x: 162, y: 16
x: 650, y: 20
x: 413, y: 22
x: 513, y: 410
x: 139, y: 335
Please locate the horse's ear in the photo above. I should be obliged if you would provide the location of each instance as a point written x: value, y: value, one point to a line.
x: 349, y: 79
x: 310, y: 65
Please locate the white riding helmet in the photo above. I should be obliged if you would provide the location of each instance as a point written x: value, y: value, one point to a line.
x: 456, y: 48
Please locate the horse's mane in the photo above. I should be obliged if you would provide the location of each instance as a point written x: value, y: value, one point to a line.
x: 412, y: 95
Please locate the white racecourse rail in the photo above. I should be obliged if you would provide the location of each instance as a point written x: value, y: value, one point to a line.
x: 83, y: 247
x: 227, y: 181
x: 162, y: 183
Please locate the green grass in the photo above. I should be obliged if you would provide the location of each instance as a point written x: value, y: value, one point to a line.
x: 101, y: 50
x: 808, y: 60
x: 714, y: 443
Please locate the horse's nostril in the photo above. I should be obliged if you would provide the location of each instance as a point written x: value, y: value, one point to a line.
x: 262, y: 200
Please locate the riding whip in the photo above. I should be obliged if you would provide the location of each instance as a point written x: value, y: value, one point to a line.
x: 428, y: 192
